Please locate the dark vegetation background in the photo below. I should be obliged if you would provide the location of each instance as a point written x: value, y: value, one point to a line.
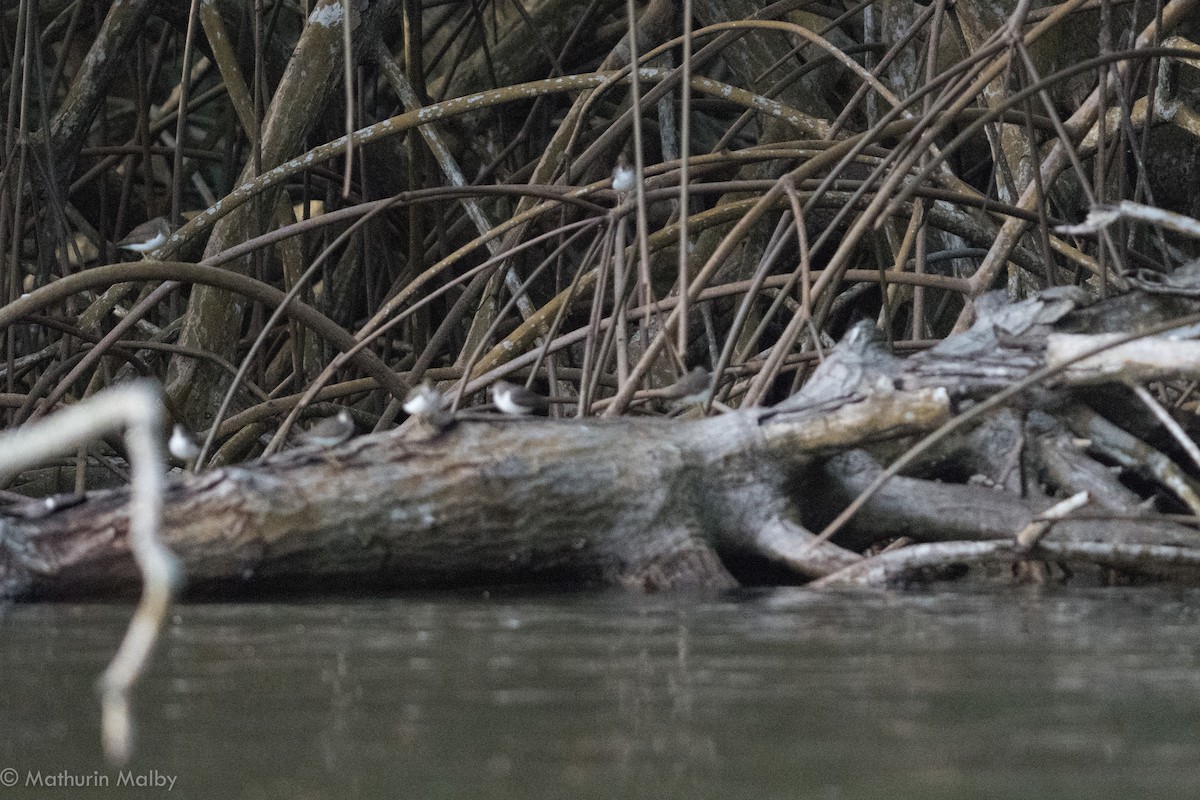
x: 888, y: 160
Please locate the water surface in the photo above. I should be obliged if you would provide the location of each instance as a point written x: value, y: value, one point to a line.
x: 785, y: 694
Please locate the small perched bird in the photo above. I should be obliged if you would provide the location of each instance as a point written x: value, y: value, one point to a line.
x: 516, y: 400
x: 427, y: 406
x: 689, y: 389
x: 329, y: 432
x: 147, y: 236
x: 181, y: 445
x: 423, y: 401
x: 622, y: 177
x: 39, y: 509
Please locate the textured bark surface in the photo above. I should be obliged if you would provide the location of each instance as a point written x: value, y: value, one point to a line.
x: 643, y: 503
x: 656, y: 504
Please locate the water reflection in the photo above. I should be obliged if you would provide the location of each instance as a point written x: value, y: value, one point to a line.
x: 775, y: 694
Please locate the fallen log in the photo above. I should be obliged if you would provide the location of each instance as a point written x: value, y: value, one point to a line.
x: 645, y: 503
x: 666, y: 504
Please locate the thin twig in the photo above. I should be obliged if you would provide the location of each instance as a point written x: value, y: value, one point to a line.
x: 135, y: 408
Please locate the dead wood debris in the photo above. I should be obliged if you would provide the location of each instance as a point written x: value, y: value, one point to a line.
x: 658, y: 504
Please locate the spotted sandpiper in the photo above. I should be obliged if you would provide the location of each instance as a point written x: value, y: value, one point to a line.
x: 516, y: 400
x: 181, y: 445
x: 428, y: 407
x: 423, y: 401
x: 622, y: 177
x: 329, y: 432
x: 147, y: 236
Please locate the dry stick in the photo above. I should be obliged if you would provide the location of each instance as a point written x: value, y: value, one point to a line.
x: 136, y: 408
x: 989, y: 62
x: 899, y: 260
x: 749, y: 185
x: 139, y: 312
x: 277, y: 406
x: 1102, y: 216
x: 1054, y: 161
x: 1100, y: 163
x: 919, y: 262
x: 1029, y: 536
x: 1076, y: 164
x: 620, y: 305
x: 957, y: 285
x: 9, y: 286
x: 639, y: 167
x: 595, y: 348
x: 931, y: 53
x: 976, y: 411
x: 685, y: 139
x: 185, y: 86
x: 135, y: 315
x: 365, y: 337
x: 469, y: 363
x: 16, y: 187
x: 756, y: 283
x: 780, y: 348
x: 404, y: 122
x: 276, y: 313
x: 1043, y: 226
x: 886, y: 569
x: 988, y: 116
x: 591, y: 378
x: 97, y: 277
x: 888, y: 57
x: 348, y: 80
x: 450, y: 168
x: 802, y: 273
x: 1176, y: 430
x: 1038, y: 14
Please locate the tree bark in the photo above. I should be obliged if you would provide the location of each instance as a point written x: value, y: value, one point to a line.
x: 643, y: 503
x: 666, y: 504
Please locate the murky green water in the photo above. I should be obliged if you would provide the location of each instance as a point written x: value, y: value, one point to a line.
x: 783, y: 694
